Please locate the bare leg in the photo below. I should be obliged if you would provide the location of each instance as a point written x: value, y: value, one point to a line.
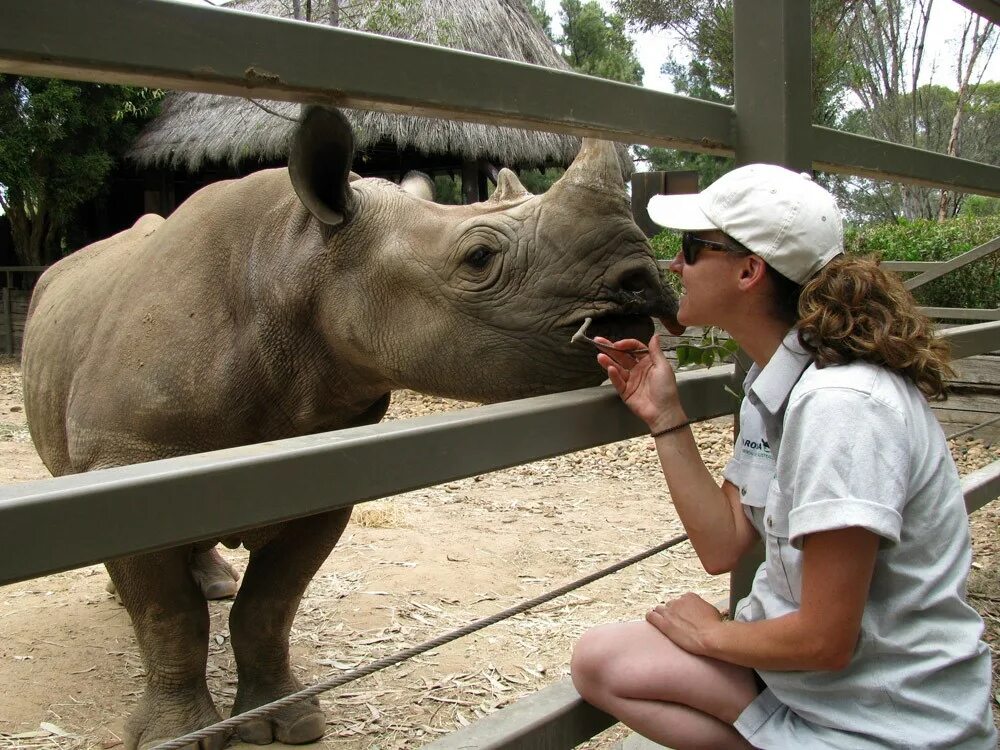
x: 170, y: 619
x: 636, y: 674
x: 261, y: 619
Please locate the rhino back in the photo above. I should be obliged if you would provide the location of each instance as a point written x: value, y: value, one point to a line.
x: 133, y: 345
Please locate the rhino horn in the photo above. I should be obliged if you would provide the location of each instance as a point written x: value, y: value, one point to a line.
x: 509, y: 188
x: 596, y: 166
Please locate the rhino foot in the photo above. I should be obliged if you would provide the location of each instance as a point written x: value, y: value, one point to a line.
x: 215, y: 577
x: 162, y: 716
x: 295, y: 725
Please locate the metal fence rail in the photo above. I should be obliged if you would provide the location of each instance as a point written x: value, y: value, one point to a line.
x: 163, y: 503
x: 223, y: 51
x: 216, y: 50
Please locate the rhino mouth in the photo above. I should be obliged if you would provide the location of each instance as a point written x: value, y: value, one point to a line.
x: 617, y: 326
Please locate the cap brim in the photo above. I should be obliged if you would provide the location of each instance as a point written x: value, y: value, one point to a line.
x: 680, y: 212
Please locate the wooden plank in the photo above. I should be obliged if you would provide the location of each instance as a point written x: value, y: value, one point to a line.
x: 958, y: 261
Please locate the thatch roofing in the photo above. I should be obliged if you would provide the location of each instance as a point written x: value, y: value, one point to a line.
x: 195, y: 128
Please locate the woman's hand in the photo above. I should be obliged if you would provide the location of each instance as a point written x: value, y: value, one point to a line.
x: 685, y: 621
x: 645, y: 382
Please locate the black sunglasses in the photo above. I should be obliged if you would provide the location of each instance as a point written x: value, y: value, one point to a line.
x: 690, y: 245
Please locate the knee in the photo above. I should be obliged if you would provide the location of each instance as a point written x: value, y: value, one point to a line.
x: 592, y: 662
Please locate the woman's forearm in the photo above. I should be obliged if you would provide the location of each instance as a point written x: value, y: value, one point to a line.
x: 717, y: 534
x: 781, y: 644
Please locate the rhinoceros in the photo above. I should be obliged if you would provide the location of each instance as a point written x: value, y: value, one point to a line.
x: 294, y: 301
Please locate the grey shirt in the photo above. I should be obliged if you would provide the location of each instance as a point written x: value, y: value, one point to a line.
x: 857, y: 445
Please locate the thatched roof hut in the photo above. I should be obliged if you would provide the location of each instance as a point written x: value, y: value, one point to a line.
x: 201, y: 129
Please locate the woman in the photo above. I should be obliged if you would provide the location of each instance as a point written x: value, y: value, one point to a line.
x: 856, y: 633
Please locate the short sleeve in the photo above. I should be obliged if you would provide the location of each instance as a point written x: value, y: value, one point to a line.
x: 844, y: 462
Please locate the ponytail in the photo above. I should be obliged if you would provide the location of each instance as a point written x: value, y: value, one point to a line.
x: 853, y: 310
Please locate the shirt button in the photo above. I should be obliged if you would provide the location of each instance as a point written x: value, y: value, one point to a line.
x: 770, y: 521
x: 743, y: 491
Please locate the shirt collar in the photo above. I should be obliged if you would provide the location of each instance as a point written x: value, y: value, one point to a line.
x: 771, y: 385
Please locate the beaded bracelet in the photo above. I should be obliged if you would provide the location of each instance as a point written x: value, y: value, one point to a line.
x: 670, y: 429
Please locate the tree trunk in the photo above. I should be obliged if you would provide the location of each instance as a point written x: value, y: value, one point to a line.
x: 964, y: 71
x: 30, y: 235
x: 334, y: 15
x: 297, y: 9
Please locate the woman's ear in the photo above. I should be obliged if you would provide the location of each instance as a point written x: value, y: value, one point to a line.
x: 753, y: 271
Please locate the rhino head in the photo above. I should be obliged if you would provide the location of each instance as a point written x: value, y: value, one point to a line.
x: 477, y: 302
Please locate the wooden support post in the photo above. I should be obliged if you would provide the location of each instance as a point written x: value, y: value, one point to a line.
x: 647, y: 184
x: 8, y: 315
x: 470, y: 181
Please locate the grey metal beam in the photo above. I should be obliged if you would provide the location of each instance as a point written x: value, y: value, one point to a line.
x: 902, y: 266
x: 847, y: 153
x: 986, y: 8
x: 217, y: 50
x: 961, y: 313
x: 951, y: 264
x: 164, y: 503
x: 554, y: 718
x: 981, y: 487
x: 970, y: 340
x: 773, y: 82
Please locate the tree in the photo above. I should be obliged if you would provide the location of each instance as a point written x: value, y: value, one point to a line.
x: 704, y: 31
x: 58, y: 143
x: 537, y: 10
x: 595, y: 43
x: 886, y: 39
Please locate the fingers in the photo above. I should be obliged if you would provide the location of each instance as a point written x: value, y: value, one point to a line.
x: 619, y: 351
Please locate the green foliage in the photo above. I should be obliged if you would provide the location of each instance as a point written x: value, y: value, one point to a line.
x: 710, y: 349
x: 58, y: 143
x: 976, y: 285
x: 448, y: 190
x: 595, y: 43
x: 391, y: 17
x: 537, y: 181
x: 666, y: 245
x: 977, y: 206
x: 537, y: 10
x: 704, y: 30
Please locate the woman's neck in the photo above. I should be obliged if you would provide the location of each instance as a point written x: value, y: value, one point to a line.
x: 759, y: 336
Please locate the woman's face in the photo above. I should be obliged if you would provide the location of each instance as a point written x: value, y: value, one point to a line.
x: 710, y: 283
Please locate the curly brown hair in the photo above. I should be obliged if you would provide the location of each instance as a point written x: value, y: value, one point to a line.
x: 853, y: 310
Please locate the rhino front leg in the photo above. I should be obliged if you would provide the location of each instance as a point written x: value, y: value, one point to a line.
x: 170, y: 618
x: 261, y: 619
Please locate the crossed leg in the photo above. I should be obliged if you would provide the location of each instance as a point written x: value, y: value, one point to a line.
x: 638, y: 675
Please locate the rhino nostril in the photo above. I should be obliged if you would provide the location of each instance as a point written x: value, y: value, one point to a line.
x: 635, y: 282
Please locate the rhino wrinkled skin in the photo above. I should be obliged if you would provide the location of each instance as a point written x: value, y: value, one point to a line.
x: 290, y: 302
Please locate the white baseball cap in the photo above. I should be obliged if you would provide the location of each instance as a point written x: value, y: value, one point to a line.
x: 780, y: 215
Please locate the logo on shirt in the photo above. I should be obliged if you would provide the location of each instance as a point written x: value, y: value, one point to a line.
x: 756, y: 448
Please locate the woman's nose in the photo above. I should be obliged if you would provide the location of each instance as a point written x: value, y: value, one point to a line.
x: 677, y: 263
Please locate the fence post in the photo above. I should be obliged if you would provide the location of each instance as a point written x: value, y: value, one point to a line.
x: 8, y: 314
x: 772, y: 61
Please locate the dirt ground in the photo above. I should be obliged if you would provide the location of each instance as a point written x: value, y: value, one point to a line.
x: 408, y: 569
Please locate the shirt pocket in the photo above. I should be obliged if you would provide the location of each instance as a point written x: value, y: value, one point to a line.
x: 753, y: 493
x: 784, y: 562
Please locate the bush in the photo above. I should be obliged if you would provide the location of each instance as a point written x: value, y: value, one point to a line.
x: 976, y: 285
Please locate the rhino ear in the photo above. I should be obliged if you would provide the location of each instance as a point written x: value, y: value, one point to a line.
x: 319, y: 164
x: 418, y: 184
x: 509, y: 188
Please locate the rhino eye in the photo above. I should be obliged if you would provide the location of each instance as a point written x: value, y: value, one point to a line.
x: 479, y: 257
